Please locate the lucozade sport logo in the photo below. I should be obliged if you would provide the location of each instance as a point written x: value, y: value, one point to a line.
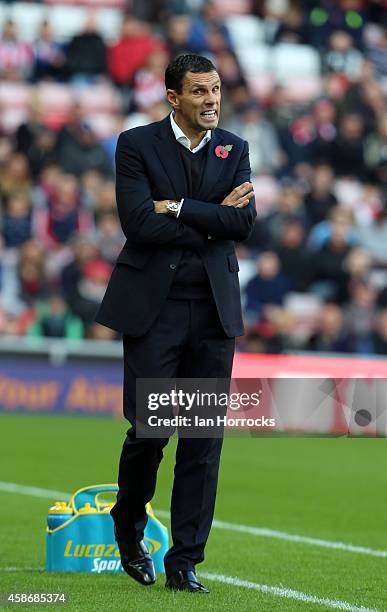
x: 103, y: 565
x: 103, y: 550
x: 90, y: 550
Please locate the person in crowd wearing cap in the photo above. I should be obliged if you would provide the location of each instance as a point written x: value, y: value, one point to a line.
x: 184, y: 196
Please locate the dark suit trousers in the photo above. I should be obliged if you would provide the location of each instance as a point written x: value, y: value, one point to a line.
x: 186, y: 341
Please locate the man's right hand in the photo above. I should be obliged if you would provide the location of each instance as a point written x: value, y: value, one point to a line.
x: 240, y: 196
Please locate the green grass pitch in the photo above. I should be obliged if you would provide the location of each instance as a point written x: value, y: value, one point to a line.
x: 331, y: 489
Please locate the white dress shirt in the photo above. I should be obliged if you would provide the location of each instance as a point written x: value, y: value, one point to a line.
x: 184, y: 140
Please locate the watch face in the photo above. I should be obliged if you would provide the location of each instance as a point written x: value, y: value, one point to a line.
x: 172, y: 206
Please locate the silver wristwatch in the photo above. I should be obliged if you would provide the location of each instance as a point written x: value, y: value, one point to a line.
x: 173, y: 207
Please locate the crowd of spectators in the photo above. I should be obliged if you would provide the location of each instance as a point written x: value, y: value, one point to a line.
x: 313, y: 274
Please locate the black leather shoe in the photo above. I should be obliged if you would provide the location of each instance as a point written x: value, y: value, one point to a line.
x: 185, y: 580
x: 137, y: 562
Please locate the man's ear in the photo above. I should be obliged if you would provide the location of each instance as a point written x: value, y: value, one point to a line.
x: 172, y: 98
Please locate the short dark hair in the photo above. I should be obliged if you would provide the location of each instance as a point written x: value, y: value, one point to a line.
x: 178, y: 67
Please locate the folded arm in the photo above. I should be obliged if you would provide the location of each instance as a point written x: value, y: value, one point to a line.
x: 223, y: 221
x: 139, y: 221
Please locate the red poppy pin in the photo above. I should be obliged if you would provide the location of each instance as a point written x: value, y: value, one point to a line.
x: 223, y: 151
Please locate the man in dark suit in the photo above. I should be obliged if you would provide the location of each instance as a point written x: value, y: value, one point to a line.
x: 184, y: 196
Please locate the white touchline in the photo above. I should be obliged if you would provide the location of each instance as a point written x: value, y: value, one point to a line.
x: 12, y: 487
x: 290, y: 537
x: 287, y: 593
x: 277, y: 591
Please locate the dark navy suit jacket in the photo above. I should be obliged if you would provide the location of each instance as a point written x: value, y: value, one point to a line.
x: 149, y: 167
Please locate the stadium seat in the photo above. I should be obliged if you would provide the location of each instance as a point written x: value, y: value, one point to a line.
x: 11, y: 118
x: 261, y: 86
x: 68, y: 21
x: 294, y: 60
x: 116, y: 4
x: 14, y: 102
x: 28, y: 17
x: 299, y: 89
x: 103, y: 124
x: 348, y: 192
x: 99, y: 98
x: 56, y: 100
x: 245, y: 30
x: 305, y: 309
x: 14, y: 94
x: 233, y: 7
x: 255, y: 59
x: 266, y: 191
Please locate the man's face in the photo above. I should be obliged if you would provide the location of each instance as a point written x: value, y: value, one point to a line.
x: 198, y: 104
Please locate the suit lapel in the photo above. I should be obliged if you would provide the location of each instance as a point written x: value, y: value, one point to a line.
x: 212, y: 169
x: 168, y: 153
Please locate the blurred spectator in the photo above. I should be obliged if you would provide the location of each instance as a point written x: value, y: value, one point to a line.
x: 91, y: 184
x: 78, y: 149
x: 15, y: 324
x: 324, y: 114
x: 342, y: 57
x: 48, y: 55
x: 230, y: 71
x: 63, y: 216
x: 377, y: 52
x: 359, y: 316
x: 131, y: 51
x: 27, y: 130
x: 376, y: 151
x: 109, y: 235
x: 320, y: 200
x: 31, y: 273
x: 36, y: 141
x: 15, y: 176
x: 293, y: 26
x: 178, y: 34
x: 47, y: 185
x: 290, y: 207
x: 373, y: 238
x: 348, y: 148
x: 86, y: 53
x: 291, y: 252
x: 364, y: 98
x: 83, y: 250
x: 367, y: 208
x: 299, y: 141
x: 15, y: 55
x: 251, y: 125
x: 322, y: 232
x: 343, y: 15
x: 269, y: 286
x: 380, y: 334
x: 90, y: 290
x: 17, y: 221
x: 55, y: 320
x: 149, y: 87
x: 105, y: 200
x: 328, y: 273
x: 358, y: 265
x: 330, y: 336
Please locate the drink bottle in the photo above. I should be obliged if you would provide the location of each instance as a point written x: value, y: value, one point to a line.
x: 58, y: 514
x: 87, y: 509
